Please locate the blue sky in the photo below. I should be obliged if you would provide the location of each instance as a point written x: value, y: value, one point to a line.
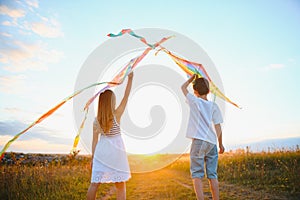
x: 254, y: 44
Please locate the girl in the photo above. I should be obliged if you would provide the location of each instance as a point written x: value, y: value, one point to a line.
x: 109, y: 158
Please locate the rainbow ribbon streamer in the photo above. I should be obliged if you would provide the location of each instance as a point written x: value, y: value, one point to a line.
x: 47, y: 114
x: 130, y: 32
x: 119, y: 78
x: 188, y: 67
x: 196, y: 68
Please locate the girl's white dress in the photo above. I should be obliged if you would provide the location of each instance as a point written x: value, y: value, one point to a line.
x: 110, y: 163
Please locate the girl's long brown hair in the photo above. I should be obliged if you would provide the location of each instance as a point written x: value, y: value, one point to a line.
x: 106, y: 107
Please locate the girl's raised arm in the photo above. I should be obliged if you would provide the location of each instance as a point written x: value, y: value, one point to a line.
x: 122, y: 106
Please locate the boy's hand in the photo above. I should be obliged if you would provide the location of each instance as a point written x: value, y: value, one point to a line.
x: 222, y: 149
x: 186, y: 84
x: 192, y: 78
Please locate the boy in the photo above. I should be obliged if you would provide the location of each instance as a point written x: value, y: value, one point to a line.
x: 204, y: 153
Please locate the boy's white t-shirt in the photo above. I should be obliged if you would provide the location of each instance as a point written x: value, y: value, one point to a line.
x: 203, y: 116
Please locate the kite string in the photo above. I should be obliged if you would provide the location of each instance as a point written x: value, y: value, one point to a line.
x: 46, y: 115
x: 194, y: 68
x: 189, y: 67
x: 120, y: 77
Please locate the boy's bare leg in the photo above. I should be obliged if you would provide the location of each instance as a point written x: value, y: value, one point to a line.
x: 198, y: 187
x: 214, y: 188
x: 121, y: 190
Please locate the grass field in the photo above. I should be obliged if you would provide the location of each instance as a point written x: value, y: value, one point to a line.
x: 242, y: 176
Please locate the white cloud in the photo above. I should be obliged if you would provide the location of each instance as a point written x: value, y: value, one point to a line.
x: 13, y: 23
x: 7, y: 23
x: 273, y: 67
x: 50, y: 56
x: 276, y: 66
x: 14, y: 13
x: 33, y: 3
x: 23, y: 56
x: 50, y: 29
x: 13, y: 110
x: 26, y: 65
x: 3, y: 60
x: 34, y: 145
x: 12, y: 84
x: 5, y: 34
x: 37, y: 135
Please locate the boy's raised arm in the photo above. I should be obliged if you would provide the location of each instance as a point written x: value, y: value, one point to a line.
x: 186, y: 84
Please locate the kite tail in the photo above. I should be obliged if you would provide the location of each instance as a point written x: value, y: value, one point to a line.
x: 130, y: 32
x: 44, y: 116
x: 188, y: 67
x: 13, y: 139
x: 86, y: 108
x: 117, y: 80
x: 216, y: 91
x: 191, y: 68
x: 120, y: 77
x: 76, y: 140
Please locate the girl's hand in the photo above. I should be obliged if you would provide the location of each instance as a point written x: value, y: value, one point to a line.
x: 130, y: 75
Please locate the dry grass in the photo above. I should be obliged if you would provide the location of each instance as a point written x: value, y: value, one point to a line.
x: 242, y: 176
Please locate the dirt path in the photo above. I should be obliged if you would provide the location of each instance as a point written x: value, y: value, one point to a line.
x: 171, y: 184
x: 109, y: 194
x: 227, y: 191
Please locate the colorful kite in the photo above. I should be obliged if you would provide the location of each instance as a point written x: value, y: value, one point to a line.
x: 119, y: 78
x: 196, y: 68
x: 130, y: 32
x: 47, y: 114
x: 188, y: 67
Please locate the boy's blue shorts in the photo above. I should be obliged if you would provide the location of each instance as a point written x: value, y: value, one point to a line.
x: 203, y: 155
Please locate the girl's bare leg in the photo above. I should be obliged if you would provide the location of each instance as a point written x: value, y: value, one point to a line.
x: 92, y: 191
x: 121, y: 190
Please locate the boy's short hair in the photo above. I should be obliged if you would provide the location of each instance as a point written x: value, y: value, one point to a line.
x: 201, y: 85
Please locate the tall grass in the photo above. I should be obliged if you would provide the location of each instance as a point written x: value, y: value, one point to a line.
x: 52, y: 181
x: 276, y: 173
